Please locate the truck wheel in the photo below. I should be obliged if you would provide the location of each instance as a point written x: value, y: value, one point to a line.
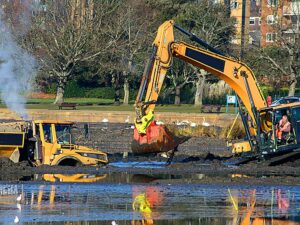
x: 69, y: 162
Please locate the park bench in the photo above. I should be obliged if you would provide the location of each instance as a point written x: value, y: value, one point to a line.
x: 67, y: 105
x: 210, y: 108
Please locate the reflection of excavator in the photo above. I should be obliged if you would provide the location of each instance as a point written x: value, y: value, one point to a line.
x: 246, y: 213
x: 145, y: 199
x: 259, y: 120
x: 78, y: 178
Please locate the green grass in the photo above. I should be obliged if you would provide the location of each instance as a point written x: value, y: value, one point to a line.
x: 108, y: 105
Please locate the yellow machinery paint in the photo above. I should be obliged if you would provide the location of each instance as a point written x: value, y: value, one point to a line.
x: 258, y: 119
x: 47, y: 142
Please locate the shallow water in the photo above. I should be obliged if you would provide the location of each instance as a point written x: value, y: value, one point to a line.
x: 129, y: 203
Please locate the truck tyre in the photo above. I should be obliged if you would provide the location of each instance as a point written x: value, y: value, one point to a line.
x: 69, y: 161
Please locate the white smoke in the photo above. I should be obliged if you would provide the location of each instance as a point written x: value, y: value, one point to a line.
x: 16, y: 71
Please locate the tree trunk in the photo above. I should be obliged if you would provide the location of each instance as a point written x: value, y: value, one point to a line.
x: 126, y: 89
x: 177, y: 95
x: 115, y: 81
x: 293, y: 72
x: 199, y: 89
x: 126, y: 79
x: 292, y: 88
x: 60, y: 92
x: 117, y: 96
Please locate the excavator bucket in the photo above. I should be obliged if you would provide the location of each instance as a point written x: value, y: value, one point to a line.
x: 156, y: 140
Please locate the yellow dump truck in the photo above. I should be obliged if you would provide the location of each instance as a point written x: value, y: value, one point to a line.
x: 46, y: 142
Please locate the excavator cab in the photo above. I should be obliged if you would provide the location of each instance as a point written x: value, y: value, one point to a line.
x: 290, y: 137
x: 270, y: 142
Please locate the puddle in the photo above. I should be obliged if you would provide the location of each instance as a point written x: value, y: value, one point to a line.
x: 61, y: 203
x: 145, y: 164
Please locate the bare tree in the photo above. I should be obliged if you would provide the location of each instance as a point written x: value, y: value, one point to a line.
x: 69, y: 33
x: 213, y: 26
x: 132, y: 24
x: 180, y: 75
x: 200, y: 83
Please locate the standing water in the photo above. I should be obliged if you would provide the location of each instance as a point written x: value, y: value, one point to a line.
x: 111, y: 202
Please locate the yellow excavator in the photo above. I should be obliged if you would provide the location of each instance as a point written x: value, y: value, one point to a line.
x: 258, y: 118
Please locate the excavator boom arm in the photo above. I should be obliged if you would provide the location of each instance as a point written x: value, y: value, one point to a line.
x: 153, y: 76
x: 236, y: 74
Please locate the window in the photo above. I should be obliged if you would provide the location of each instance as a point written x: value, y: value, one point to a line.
x: 47, y: 133
x: 272, y: 2
x: 63, y: 133
x: 252, y: 21
x: 295, y: 27
x: 270, y: 19
x: 271, y: 37
x: 234, y: 5
x: 296, y: 114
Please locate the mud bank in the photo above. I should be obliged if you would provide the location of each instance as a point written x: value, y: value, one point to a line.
x: 185, y: 169
x: 116, y: 138
x: 203, y: 160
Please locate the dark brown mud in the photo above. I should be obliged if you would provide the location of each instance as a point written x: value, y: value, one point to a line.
x: 203, y: 156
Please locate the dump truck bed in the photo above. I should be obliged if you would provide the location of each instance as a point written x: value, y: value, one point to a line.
x: 12, y: 139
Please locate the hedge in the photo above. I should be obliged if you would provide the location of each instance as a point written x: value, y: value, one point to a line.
x: 74, y: 90
x: 277, y: 93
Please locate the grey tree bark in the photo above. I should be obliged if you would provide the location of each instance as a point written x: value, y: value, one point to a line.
x: 293, y: 75
x: 59, y: 95
x: 61, y: 84
x: 126, y: 89
x: 177, y: 95
x: 200, y: 83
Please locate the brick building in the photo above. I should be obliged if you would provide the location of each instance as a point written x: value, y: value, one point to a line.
x: 279, y: 20
x: 266, y: 21
x: 254, y: 23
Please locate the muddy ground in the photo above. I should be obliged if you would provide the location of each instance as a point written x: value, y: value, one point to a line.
x: 199, y: 160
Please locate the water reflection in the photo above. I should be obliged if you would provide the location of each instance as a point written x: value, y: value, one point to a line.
x: 82, y: 178
x: 124, y: 177
x: 114, y: 177
x: 82, y: 203
x: 145, y: 201
x: 248, y: 210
